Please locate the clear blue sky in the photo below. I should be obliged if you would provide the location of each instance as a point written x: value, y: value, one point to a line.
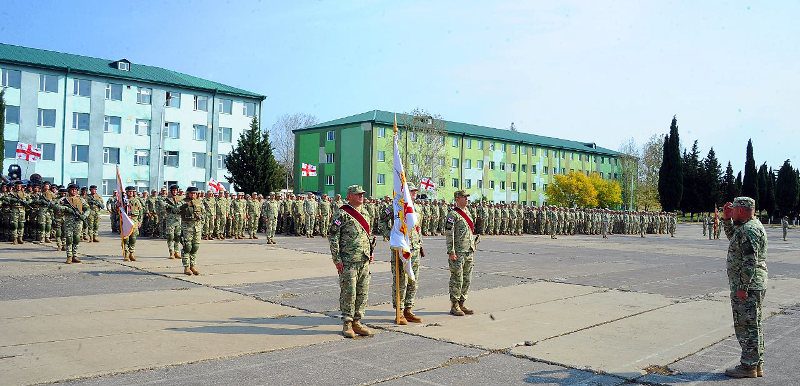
x: 586, y: 70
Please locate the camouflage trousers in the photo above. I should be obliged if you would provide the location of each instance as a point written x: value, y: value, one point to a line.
x: 325, y: 223
x: 58, y: 227
x: 271, y: 227
x: 252, y: 225
x: 309, y: 225
x: 747, y: 325
x: 93, y: 222
x: 17, y: 222
x: 73, y: 228
x: 191, y: 232
x: 130, y: 241
x: 222, y: 219
x: 353, y: 290
x: 460, y: 276
x: 173, y: 235
x: 408, y: 288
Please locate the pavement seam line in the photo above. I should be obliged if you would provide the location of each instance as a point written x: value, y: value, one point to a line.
x: 420, y: 371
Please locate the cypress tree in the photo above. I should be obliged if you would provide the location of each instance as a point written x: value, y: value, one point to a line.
x: 670, y: 176
x: 691, y: 201
x: 761, y: 185
x: 750, y: 180
x: 787, y: 188
x: 739, y: 184
x: 769, y: 200
x: 251, y: 164
x: 728, y: 186
x: 710, y: 186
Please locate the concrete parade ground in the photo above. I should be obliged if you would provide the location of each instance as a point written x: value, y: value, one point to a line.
x: 578, y: 310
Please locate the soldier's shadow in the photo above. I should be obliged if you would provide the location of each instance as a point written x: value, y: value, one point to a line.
x: 280, y: 325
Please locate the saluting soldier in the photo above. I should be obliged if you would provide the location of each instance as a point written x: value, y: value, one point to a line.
x: 352, y: 250
x: 460, y: 238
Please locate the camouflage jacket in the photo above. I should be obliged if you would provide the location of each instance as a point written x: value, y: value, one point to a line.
x: 747, y: 255
x: 459, y: 236
x: 349, y: 241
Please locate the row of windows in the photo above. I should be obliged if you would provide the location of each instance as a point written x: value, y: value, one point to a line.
x: 83, y: 87
x: 108, y: 186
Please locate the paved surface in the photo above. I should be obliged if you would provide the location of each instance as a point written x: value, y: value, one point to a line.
x: 574, y: 311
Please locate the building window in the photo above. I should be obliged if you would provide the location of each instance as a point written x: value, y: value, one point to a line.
x: 79, y: 181
x: 563, y: 154
x: 200, y: 103
x: 555, y: 170
x: 533, y: 169
x: 143, y: 95
x: 524, y: 185
x: 249, y: 109
x: 454, y: 141
x: 48, y: 151
x: 111, y: 155
x: 80, y: 121
x: 199, y: 160
x: 123, y: 66
x: 381, y: 132
x: 330, y: 135
x: 513, y: 167
x: 524, y: 168
x: 381, y: 156
x: 533, y: 151
x: 523, y: 150
x: 513, y: 185
x: 513, y: 149
x: 10, y: 149
x: 47, y: 118
x: 112, y: 124
x: 173, y: 130
x: 329, y: 180
x: 603, y: 160
x: 113, y: 92
x: 80, y: 153
x: 467, y: 164
x: 571, y: 171
x: 491, y: 184
x: 544, y: 187
x: 199, y: 132
x: 491, y: 146
x: 595, y: 159
x: 533, y: 186
x: 546, y: 152
x: 225, y: 134
x: 480, y: 184
x: 502, y: 185
x: 455, y: 182
x: 141, y: 157
x: 82, y: 87
x: 171, y: 158
x: 502, y: 166
x: 381, y: 179
x: 48, y: 83
x: 329, y: 158
x: 225, y: 106
x: 544, y: 169
x: 469, y: 143
x: 480, y: 144
x: 479, y: 164
x: 454, y: 163
x: 11, y: 78
x: 12, y: 115
x: 412, y: 136
x: 503, y: 147
x: 441, y: 163
x: 563, y: 171
x: 107, y: 187
x: 467, y: 183
x: 221, y: 161
x: 173, y: 99
x: 413, y: 159
x: 142, y: 127
x: 441, y: 182
x: 491, y: 165
x: 615, y: 176
x: 200, y: 185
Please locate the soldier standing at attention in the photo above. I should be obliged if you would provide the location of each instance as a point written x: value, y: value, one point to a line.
x: 18, y: 201
x: 310, y: 214
x: 324, y: 210
x: 173, y: 221
x: 408, y: 288
x: 74, y: 214
x: 191, y: 212
x: 135, y: 210
x: 271, y: 214
x: 460, y: 237
x: 747, y: 276
x: 785, y: 226
x: 351, y: 247
x: 95, y: 205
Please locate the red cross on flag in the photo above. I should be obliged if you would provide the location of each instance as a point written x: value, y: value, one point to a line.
x: 308, y: 170
x: 427, y: 184
x: 215, y: 186
x: 28, y: 152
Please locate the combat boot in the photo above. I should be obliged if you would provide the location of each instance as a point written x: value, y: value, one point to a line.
x: 255, y: 237
x: 19, y: 240
x: 464, y: 308
x: 131, y: 256
x: 361, y: 329
x: 742, y: 371
x: 75, y: 259
x: 187, y: 271
x: 95, y: 239
x: 69, y: 260
x: 455, y: 310
x: 400, y: 320
x: 194, y: 270
x: 47, y: 240
x: 347, y: 330
x: 410, y: 316
x: 125, y: 256
x: 760, y: 370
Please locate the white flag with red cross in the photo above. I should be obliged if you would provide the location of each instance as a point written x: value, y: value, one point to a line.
x: 308, y: 170
x: 28, y: 152
x: 215, y: 186
x: 427, y: 184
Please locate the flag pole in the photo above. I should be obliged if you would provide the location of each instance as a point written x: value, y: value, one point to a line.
x: 397, y: 316
x: 121, y: 237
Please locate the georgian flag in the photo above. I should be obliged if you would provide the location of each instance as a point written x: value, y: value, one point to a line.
x: 427, y: 184
x: 405, y: 219
x: 214, y: 186
x: 126, y: 224
x: 28, y: 152
x: 308, y: 170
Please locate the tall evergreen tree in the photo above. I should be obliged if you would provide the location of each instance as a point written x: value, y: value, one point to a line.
x: 769, y: 200
x: 251, y: 164
x: 750, y: 180
x: 728, y: 186
x: 670, y: 177
x: 711, y: 180
x: 761, y: 185
x: 691, y: 201
x: 787, y: 188
x: 739, y: 184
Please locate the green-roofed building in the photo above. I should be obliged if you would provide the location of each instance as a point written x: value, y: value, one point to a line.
x: 495, y: 164
x: 90, y: 115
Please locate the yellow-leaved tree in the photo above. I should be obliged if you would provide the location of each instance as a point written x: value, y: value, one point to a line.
x: 609, y: 192
x: 571, y: 190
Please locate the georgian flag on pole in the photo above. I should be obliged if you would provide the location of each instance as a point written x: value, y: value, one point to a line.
x: 405, y: 218
x: 126, y: 224
x: 308, y: 170
x: 427, y: 184
x: 28, y: 152
x: 215, y: 186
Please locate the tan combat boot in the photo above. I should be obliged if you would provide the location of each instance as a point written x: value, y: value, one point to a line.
x: 347, y: 330
x: 69, y: 260
x: 760, y: 370
x: 20, y: 241
x: 742, y: 371
x: 194, y: 270
x: 410, y: 316
x: 455, y: 310
x: 400, y: 320
x: 95, y: 239
x: 187, y: 271
x: 125, y: 256
x: 176, y: 255
x: 131, y: 256
x: 361, y: 329
x: 75, y: 259
x: 465, y: 309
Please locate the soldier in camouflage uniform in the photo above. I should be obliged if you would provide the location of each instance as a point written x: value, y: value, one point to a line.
x: 747, y: 276
x: 75, y: 213
x: 58, y: 220
x: 222, y: 209
x: 96, y: 204
x: 461, y: 245
x: 351, y: 249
x: 310, y: 214
x: 270, y: 213
x: 111, y: 207
x: 408, y: 288
x: 17, y: 202
x: 173, y: 222
x: 298, y: 215
x: 253, y: 215
x: 239, y: 214
x: 135, y: 211
x: 324, y: 215
x: 191, y: 213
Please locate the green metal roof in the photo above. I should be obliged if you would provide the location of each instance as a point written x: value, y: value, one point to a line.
x: 103, y: 67
x: 387, y: 118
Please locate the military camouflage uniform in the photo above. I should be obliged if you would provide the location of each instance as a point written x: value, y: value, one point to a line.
x: 461, y: 241
x: 350, y: 246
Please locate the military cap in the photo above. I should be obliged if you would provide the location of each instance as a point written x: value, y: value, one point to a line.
x: 175, y: 187
x: 72, y: 186
x: 17, y: 182
x: 130, y: 189
x: 412, y: 188
x: 744, y: 202
x: 62, y: 190
x: 191, y: 189
x: 92, y: 186
x: 355, y: 189
x: 460, y: 193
